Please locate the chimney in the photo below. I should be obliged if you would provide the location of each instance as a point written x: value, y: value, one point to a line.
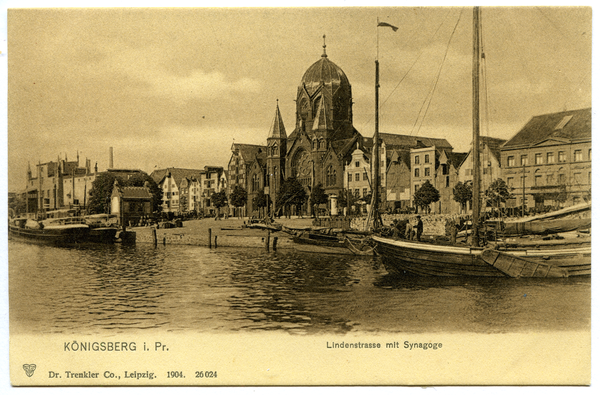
x: 110, y: 158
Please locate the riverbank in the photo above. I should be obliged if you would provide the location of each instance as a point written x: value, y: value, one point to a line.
x: 229, y: 232
x: 232, y: 232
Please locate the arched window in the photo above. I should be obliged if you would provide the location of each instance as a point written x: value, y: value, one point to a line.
x: 255, y: 183
x: 275, y: 149
x: 330, y: 178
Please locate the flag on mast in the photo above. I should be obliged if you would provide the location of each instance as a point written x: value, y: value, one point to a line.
x: 388, y: 25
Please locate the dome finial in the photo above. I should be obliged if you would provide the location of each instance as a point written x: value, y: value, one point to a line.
x: 324, y: 46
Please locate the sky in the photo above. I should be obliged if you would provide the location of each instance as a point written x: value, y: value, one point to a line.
x: 175, y: 87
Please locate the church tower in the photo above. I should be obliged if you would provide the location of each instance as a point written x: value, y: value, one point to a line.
x: 276, y: 152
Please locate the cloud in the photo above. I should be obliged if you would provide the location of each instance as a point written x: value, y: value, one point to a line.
x: 148, y: 67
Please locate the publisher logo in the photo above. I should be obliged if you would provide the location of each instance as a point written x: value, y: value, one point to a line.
x: 29, y: 369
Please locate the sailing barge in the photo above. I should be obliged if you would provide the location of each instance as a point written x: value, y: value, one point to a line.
x: 433, y: 259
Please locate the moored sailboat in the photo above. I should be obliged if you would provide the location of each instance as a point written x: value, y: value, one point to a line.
x: 423, y: 258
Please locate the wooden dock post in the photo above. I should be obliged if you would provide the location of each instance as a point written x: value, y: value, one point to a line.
x: 268, y: 240
x: 275, y: 243
x: 215, y: 241
x: 209, y: 238
x: 154, y: 237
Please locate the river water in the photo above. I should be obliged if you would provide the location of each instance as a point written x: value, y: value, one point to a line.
x: 125, y: 289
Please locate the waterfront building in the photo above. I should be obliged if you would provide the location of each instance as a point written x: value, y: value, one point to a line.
x: 186, y: 190
x: 247, y: 169
x: 398, y: 178
x: 358, y: 176
x: 438, y: 165
x: 131, y: 204
x: 397, y: 182
x: 170, y: 181
x: 58, y: 184
x: 490, y: 160
x: 548, y: 162
x: 315, y: 152
x: 210, y: 181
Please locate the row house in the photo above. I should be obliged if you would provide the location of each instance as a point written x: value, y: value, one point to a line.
x: 549, y: 161
x: 439, y: 166
x: 247, y: 169
x: 186, y: 190
x: 490, y: 160
x: 170, y: 182
x: 213, y: 179
x: 406, y: 162
x: 358, y: 175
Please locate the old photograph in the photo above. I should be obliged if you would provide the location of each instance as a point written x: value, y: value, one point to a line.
x: 299, y: 196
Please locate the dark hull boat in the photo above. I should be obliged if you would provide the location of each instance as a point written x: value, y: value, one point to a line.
x: 311, y: 241
x: 48, y: 233
x: 103, y: 235
x: 401, y: 257
x: 103, y: 228
x: 500, y: 260
x: 308, y: 241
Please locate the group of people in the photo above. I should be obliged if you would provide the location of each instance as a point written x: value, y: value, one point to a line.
x: 409, y: 229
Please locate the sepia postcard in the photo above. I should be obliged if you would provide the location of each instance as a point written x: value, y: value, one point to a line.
x: 299, y: 196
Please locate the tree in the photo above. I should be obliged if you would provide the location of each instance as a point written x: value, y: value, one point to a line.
x: 318, y: 196
x: 463, y: 193
x: 426, y: 195
x: 261, y: 200
x: 183, y: 202
x: 291, y: 193
x: 497, y: 193
x: 238, y: 196
x: 139, y: 180
x: 100, y: 193
x: 219, y: 199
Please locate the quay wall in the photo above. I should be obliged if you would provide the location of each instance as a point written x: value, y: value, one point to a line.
x: 433, y: 224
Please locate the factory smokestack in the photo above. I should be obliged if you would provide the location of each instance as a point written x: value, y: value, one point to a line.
x: 110, y: 158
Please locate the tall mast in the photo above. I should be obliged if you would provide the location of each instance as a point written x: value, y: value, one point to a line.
x: 476, y: 162
x: 376, y: 183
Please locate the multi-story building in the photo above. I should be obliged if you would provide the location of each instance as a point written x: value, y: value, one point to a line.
x: 438, y: 165
x: 398, y: 178
x: 490, y: 160
x: 358, y: 175
x: 58, y: 184
x: 548, y: 162
x: 77, y: 186
x: 247, y: 169
x: 211, y: 181
x: 170, y: 182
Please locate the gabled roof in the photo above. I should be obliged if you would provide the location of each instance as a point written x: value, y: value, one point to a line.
x: 132, y: 193
x: 494, y: 145
x: 574, y: 125
x: 249, y: 151
x: 177, y: 174
x: 320, y: 120
x: 277, y: 129
x: 408, y: 142
x: 400, y: 156
x: 344, y: 147
x: 457, y: 158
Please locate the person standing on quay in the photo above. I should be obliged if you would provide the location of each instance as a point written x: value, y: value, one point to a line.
x: 419, y: 228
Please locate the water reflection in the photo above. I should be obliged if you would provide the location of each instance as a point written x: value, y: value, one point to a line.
x: 118, y: 288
